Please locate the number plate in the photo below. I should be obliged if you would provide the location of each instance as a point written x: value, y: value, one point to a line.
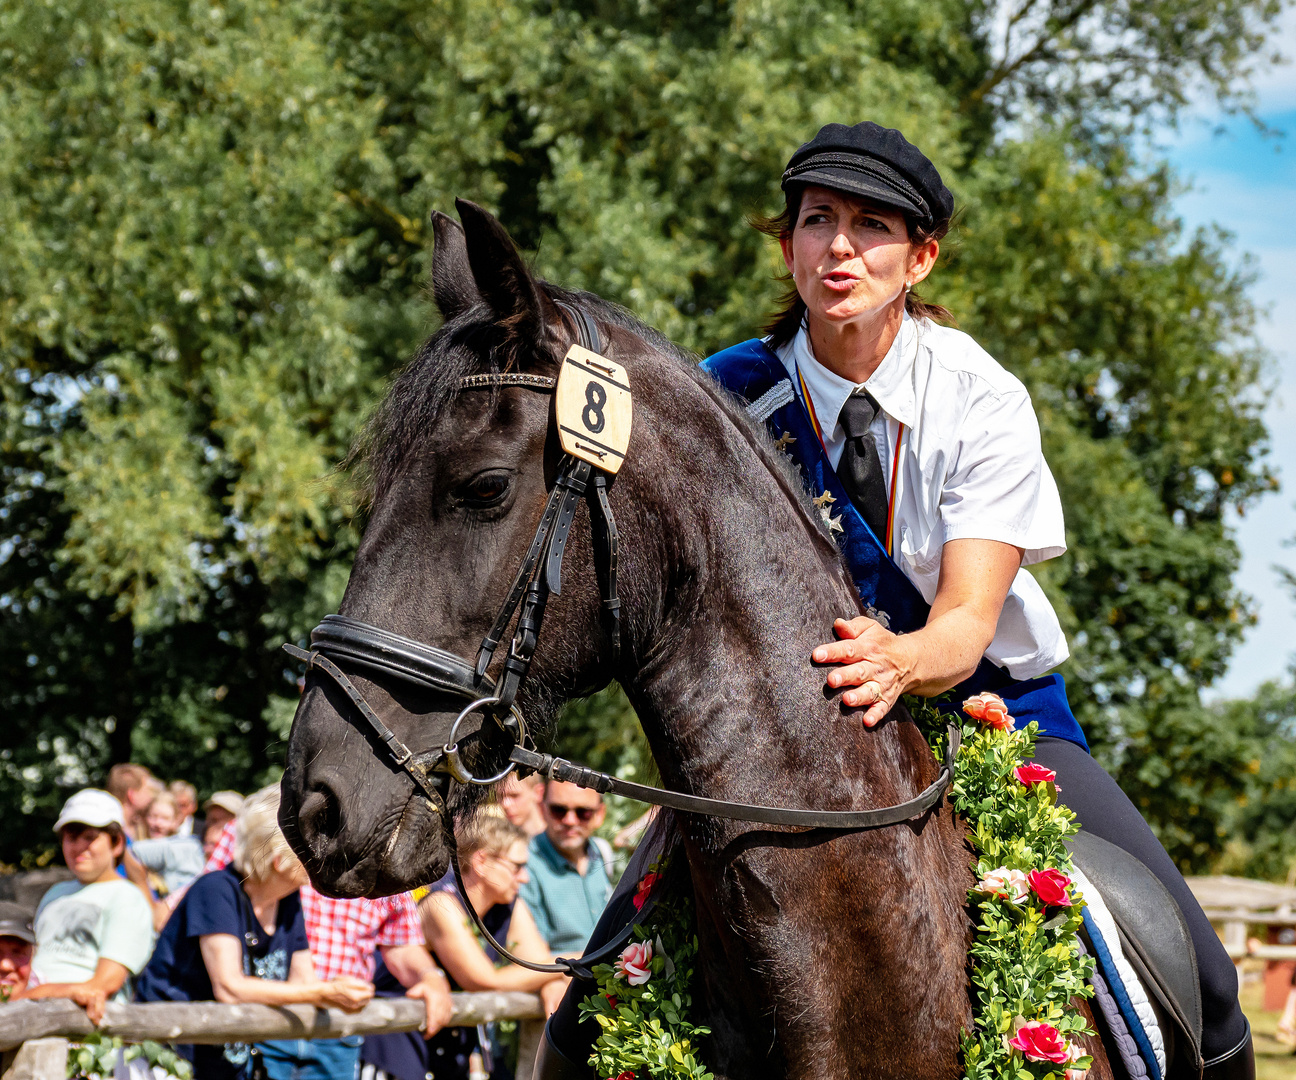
x: 594, y: 410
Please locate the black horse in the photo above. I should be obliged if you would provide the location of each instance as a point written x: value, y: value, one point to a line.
x: 844, y: 957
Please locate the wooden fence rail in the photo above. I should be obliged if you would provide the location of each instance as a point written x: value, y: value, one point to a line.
x: 210, y: 1022
x: 1239, y: 906
x: 1261, y: 952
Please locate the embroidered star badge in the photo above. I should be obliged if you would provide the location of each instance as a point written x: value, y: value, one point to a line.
x: 823, y: 500
x: 784, y: 441
x: 879, y: 617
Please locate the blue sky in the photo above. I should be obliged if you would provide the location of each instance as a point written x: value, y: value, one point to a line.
x: 1247, y: 183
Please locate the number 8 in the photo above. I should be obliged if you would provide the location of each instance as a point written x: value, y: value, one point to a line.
x: 592, y: 415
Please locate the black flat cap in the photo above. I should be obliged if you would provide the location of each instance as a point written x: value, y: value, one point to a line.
x: 875, y: 163
x: 15, y: 921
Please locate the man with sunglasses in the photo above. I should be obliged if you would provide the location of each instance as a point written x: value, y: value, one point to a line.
x: 570, y: 883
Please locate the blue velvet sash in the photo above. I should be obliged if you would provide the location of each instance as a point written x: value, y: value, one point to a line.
x: 752, y: 370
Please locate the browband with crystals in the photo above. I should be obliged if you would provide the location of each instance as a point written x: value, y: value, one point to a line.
x: 534, y: 382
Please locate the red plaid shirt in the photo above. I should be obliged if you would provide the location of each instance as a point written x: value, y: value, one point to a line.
x: 342, y: 934
x: 223, y: 853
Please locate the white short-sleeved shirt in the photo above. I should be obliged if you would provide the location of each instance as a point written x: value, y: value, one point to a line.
x: 970, y: 467
x: 77, y: 924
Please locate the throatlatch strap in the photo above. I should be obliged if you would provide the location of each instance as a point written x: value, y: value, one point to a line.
x: 606, y: 553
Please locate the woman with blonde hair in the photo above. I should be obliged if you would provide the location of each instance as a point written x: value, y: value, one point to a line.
x: 161, y: 818
x: 238, y: 937
x: 493, y: 855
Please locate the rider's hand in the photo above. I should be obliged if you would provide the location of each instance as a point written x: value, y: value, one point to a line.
x: 347, y: 992
x: 871, y: 660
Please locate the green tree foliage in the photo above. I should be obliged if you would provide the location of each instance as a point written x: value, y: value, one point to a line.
x: 1259, y: 822
x: 1136, y: 345
x: 213, y: 253
x: 183, y: 366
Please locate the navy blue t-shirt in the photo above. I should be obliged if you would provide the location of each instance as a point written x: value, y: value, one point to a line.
x: 216, y: 904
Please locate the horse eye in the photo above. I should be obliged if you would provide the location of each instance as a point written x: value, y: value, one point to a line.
x: 485, y: 490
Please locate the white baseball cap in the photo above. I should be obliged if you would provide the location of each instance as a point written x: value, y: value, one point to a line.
x: 91, y: 806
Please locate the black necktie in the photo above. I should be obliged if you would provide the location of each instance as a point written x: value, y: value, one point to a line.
x: 860, y: 469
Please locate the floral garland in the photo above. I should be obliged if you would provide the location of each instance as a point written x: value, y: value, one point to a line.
x: 643, y: 1000
x: 1026, y: 963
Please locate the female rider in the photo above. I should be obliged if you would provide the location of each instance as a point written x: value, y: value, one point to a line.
x: 928, y: 456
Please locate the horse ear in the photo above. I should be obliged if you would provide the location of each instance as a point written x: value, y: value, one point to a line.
x: 453, y: 287
x: 502, y: 278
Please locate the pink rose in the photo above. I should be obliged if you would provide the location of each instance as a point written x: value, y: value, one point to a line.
x: 990, y: 710
x: 1008, y: 884
x: 645, y: 887
x: 1051, y: 887
x: 1031, y: 774
x: 1077, y: 1053
x: 627, y: 1075
x: 1039, y: 1041
x: 635, y: 963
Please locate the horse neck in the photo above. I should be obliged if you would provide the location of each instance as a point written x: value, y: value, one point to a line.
x: 743, y: 586
x: 750, y: 585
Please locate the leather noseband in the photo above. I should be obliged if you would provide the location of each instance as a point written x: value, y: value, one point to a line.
x: 390, y: 656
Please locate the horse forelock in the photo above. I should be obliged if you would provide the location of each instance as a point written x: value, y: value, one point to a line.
x: 424, y: 390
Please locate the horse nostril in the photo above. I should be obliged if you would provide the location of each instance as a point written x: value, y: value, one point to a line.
x: 320, y: 815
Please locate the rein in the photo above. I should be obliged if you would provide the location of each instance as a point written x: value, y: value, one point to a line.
x: 375, y: 652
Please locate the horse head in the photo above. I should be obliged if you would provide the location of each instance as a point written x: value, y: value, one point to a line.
x: 458, y: 482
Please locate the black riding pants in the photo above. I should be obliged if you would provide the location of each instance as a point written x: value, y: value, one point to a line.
x: 1104, y: 810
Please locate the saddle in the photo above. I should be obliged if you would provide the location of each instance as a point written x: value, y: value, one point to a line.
x: 1155, y: 940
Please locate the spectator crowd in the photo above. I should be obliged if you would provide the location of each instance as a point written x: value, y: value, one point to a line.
x: 173, y: 900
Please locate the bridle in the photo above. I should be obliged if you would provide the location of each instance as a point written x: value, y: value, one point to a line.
x: 339, y: 642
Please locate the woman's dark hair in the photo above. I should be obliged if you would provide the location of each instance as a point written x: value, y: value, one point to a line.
x: 784, y: 324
